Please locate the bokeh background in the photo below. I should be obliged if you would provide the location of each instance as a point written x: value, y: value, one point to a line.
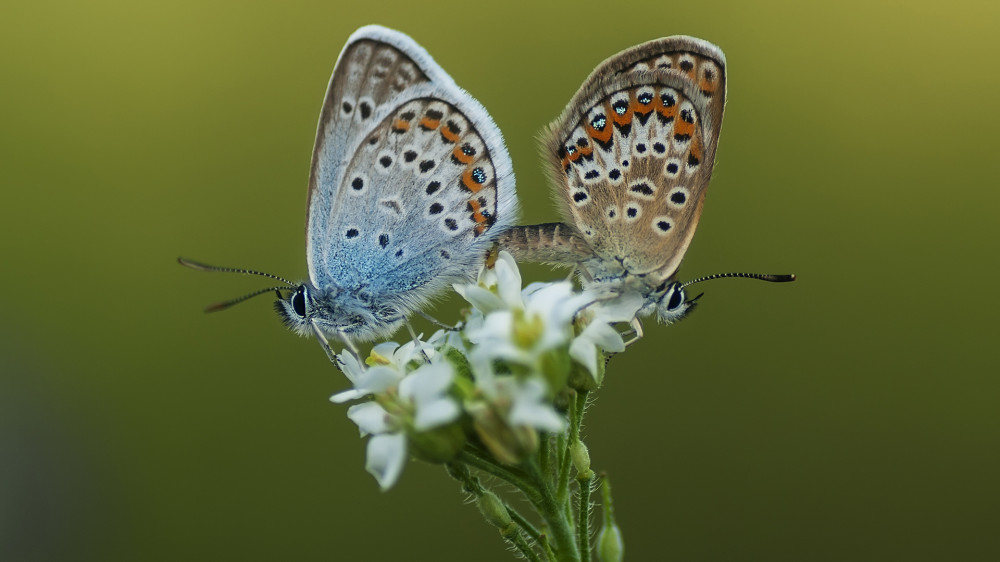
x: 852, y: 415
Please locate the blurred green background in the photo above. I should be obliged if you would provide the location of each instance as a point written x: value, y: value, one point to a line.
x: 852, y: 415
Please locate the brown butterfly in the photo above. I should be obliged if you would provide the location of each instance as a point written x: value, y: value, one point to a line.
x: 631, y: 157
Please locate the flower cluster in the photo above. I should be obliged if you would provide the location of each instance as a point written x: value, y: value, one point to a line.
x: 494, y: 383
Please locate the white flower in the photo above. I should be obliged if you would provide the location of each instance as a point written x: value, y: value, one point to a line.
x: 420, y: 402
x: 389, y: 362
x: 530, y: 406
x: 521, y: 335
x: 496, y: 288
x: 426, y: 389
x: 599, y: 335
x: 525, y: 402
x: 507, y: 411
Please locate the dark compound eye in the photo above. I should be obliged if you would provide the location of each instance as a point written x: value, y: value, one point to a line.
x: 299, y: 302
x: 676, y: 299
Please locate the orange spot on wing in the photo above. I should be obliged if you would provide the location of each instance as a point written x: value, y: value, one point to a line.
x: 625, y: 118
x: 707, y: 86
x: 666, y: 112
x: 430, y: 124
x: 400, y: 125
x: 696, y: 148
x: 480, y: 228
x: 605, y: 135
x: 682, y: 127
x: 470, y: 183
x: 580, y: 153
x: 477, y: 214
x: 449, y: 136
x: 459, y: 155
x: 636, y: 107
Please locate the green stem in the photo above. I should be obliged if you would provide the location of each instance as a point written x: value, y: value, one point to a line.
x: 526, y: 526
x: 544, y: 452
x: 583, y: 521
x: 517, y: 539
x: 513, y: 533
x: 512, y: 476
x: 562, y: 486
x: 553, y: 513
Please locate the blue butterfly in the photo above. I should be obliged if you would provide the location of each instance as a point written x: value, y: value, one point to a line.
x: 410, y: 185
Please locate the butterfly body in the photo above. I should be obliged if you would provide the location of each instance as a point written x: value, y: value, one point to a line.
x: 631, y: 157
x: 409, y: 186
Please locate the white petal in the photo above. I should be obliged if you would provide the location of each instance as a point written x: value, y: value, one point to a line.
x: 508, y: 280
x: 531, y: 409
x: 621, y: 309
x: 492, y: 349
x: 496, y: 325
x: 483, y: 299
x: 404, y: 354
x: 370, y: 417
x: 427, y: 382
x: 386, y: 455
x: 385, y: 349
x: 350, y: 366
x: 604, y: 336
x: 583, y: 352
x: 433, y: 414
x: 378, y: 379
x: 347, y: 396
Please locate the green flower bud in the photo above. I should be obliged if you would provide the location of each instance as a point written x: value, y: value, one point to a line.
x: 610, y: 546
x: 494, y: 510
x: 580, y: 455
x: 580, y: 378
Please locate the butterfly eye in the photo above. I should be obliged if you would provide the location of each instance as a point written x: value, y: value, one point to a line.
x: 299, y: 302
x: 676, y: 298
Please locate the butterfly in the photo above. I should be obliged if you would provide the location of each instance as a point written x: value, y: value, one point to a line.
x: 409, y: 186
x: 631, y: 157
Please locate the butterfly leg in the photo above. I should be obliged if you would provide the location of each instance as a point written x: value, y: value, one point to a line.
x: 636, y: 329
x: 416, y: 341
x: 325, y: 344
x: 437, y: 322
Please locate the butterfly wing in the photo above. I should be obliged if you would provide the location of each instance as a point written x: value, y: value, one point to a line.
x: 410, y: 178
x: 632, y: 153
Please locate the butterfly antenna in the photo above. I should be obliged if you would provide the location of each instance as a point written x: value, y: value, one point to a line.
x: 205, y: 267
x: 224, y: 305
x: 785, y: 278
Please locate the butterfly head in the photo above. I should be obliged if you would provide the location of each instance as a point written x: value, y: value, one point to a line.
x: 671, y: 299
x: 671, y: 302
x: 353, y: 314
x: 297, y: 309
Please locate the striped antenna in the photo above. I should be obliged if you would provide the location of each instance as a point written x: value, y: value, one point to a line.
x: 226, y: 304
x: 780, y: 278
x: 205, y: 267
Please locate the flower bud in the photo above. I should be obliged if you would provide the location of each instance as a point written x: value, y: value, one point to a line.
x: 580, y: 378
x: 494, y: 510
x: 509, y: 445
x: 610, y: 546
x: 580, y: 455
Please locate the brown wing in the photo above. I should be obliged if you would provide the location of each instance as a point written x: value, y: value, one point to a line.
x: 632, y: 153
